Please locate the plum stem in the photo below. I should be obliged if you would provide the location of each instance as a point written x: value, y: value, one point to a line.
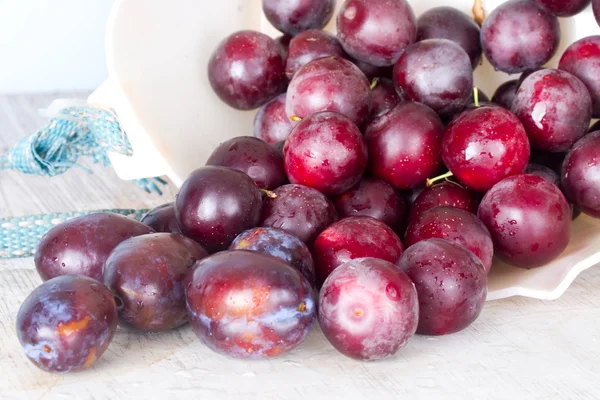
x: 476, y: 95
x: 478, y: 12
x: 270, y: 194
x: 295, y: 119
x: 431, y: 181
x: 374, y: 83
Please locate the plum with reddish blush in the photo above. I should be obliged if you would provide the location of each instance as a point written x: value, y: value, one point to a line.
x: 437, y: 73
x: 368, y: 309
x: 67, y: 323
x: 375, y: 198
x: 271, y: 123
x: 581, y: 174
x: 484, y: 145
x: 146, y: 275
x: 295, y: 16
x: 162, y: 219
x: 329, y: 84
x: 215, y: 204
x: 81, y: 245
x: 373, y: 71
x: 506, y: 93
x: 405, y: 145
x: 376, y: 31
x: 309, y: 46
x: 555, y: 109
x: 582, y: 59
x: 518, y: 35
x: 256, y: 158
x: 325, y: 151
x: 451, y: 285
x: 302, y: 211
x: 246, y: 304
x: 246, y: 70
x: 352, y: 238
x: 278, y: 243
x: 543, y: 172
x: 529, y: 220
x: 452, y: 24
x: 384, y: 97
x: 563, y: 8
x: 444, y: 194
x: 455, y: 225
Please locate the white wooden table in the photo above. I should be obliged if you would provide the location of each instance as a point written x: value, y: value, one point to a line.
x: 518, y: 349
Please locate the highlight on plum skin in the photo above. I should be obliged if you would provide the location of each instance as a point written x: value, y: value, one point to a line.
x: 309, y: 46
x: 271, y: 123
x: 294, y: 17
x: 368, y: 309
x: 246, y: 304
x: 67, y: 323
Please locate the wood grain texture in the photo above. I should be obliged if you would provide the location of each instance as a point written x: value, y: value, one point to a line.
x: 518, y: 349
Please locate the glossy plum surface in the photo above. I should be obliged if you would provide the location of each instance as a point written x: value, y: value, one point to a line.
x: 309, y: 46
x: 215, y: 204
x: 256, y: 158
x: 437, y: 73
x: 405, y: 145
x: 543, y: 172
x: 563, y: 8
x: 518, y: 35
x: 271, y: 123
x: 444, y: 194
x: 529, y: 220
x: 506, y: 93
x: 278, y: 243
x: 293, y: 17
x: 455, y: 225
x: 325, y: 151
x: 451, y: 285
x: 384, y: 97
x: 146, y: 275
x: 376, y: 31
x: 555, y: 109
x: 302, y: 211
x: 246, y: 70
x: 329, y: 84
x: 582, y: 59
x: 452, y: 24
x: 67, y: 323
x: 581, y: 174
x: 245, y: 304
x: 352, y: 238
x: 375, y: 198
x: 484, y: 145
x: 368, y: 309
x: 162, y: 219
x: 81, y: 245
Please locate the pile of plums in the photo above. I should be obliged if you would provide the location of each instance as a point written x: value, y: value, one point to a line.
x: 377, y: 174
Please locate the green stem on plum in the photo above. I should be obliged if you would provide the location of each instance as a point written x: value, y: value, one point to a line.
x: 374, y: 83
x: 295, y: 119
x: 476, y: 96
x: 269, y: 193
x: 431, y: 181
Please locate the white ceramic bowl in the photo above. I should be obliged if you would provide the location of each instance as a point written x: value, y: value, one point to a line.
x: 157, y: 52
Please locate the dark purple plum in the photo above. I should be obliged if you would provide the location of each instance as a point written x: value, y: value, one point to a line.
x: 551, y: 160
x: 259, y: 160
x: 518, y: 35
x: 437, y: 73
x: 596, y: 8
x: 329, y: 84
x: 484, y: 145
x: 352, y: 238
x: 81, y: 245
x: 582, y: 59
x: 279, y: 147
x: 372, y: 71
x: 295, y: 16
x: 278, y: 243
x: 452, y: 24
x: 505, y: 94
x: 529, y: 220
x: 325, y: 151
x: 555, y: 109
x: 245, y: 304
x: 67, y: 323
x: 526, y: 74
x: 451, y: 285
x: 368, y: 309
x: 146, y: 275
x: 162, y: 219
x: 375, y: 198
x: 246, y: 70
x: 309, y: 46
x: 376, y: 31
x: 444, y: 194
x: 215, y: 204
x: 405, y: 145
x: 271, y: 123
x: 581, y: 174
x: 455, y: 225
x: 562, y: 8
x: 284, y: 42
x: 384, y: 97
x: 299, y: 210
x: 543, y: 172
